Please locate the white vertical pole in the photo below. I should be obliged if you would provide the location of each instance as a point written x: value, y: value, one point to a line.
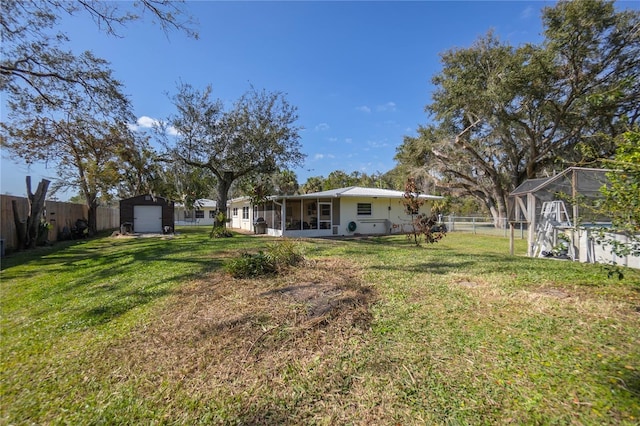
x: 531, y: 210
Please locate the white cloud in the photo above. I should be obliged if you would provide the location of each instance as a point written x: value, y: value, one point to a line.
x: 348, y: 140
x: 389, y: 106
x: 172, y: 131
x: 145, y: 122
x: 323, y: 156
x: 526, y: 13
x: 322, y: 127
x: 377, y: 144
x: 363, y: 108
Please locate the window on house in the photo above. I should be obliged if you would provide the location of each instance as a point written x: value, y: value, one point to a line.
x: 235, y: 212
x: 199, y: 214
x: 212, y: 214
x: 364, y: 209
x: 245, y: 212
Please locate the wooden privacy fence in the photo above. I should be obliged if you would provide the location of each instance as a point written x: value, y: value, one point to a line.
x: 58, y: 214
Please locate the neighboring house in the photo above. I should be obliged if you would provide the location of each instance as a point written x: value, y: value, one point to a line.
x: 338, y: 212
x: 202, y: 213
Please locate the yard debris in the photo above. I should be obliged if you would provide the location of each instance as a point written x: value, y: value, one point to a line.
x: 231, y: 330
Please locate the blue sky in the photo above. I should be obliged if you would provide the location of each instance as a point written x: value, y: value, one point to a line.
x: 358, y: 72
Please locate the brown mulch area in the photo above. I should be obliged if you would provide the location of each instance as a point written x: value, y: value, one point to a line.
x: 225, y: 332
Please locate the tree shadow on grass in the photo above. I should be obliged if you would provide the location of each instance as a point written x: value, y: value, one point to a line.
x: 95, y: 282
x: 127, y: 301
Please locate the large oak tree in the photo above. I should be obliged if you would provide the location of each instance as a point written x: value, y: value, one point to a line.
x: 65, y: 108
x: 504, y: 114
x: 257, y: 136
x: 37, y: 68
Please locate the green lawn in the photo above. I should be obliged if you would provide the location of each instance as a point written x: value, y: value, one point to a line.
x: 367, y: 331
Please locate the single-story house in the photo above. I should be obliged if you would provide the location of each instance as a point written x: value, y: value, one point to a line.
x: 337, y: 212
x: 147, y: 214
x: 202, y: 213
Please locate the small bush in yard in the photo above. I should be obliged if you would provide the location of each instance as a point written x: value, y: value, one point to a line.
x: 220, y: 232
x: 276, y: 258
x: 285, y: 253
x: 250, y: 265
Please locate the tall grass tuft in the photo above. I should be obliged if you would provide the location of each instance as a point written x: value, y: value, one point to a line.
x: 278, y: 257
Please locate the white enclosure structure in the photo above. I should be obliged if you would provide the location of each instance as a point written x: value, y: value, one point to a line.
x: 555, y: 211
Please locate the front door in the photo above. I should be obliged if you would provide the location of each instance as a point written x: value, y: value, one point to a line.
x: 324, y: 215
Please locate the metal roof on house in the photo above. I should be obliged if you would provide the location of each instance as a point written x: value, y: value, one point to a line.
x: 357, y: 191
x: 351, y: 191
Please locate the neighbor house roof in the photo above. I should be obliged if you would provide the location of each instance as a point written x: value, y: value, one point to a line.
x: 201, y: 203
x: 205, y: 202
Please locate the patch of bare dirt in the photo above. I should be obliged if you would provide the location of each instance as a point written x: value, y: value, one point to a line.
x: 553, y: 292
x: 468, y: 284
x: 220, y: 330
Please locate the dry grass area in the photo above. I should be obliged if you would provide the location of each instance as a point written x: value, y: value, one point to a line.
x: 363, y: 332
x: 224, y: 340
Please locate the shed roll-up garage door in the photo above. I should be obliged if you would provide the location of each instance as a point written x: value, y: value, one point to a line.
x: 147, y: 219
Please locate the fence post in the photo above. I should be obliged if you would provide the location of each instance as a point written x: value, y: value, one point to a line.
x: 473, y: 224
x: 511, y: 243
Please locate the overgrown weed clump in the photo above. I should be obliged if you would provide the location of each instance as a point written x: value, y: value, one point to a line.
x: 278, y: 257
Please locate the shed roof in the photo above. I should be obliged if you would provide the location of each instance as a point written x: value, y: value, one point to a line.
x: 581, y: 180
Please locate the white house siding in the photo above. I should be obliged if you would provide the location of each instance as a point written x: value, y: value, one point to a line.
x: 203, y: 213
x: 328, y: 214
x: 388, y: 216
x: 241, y: 213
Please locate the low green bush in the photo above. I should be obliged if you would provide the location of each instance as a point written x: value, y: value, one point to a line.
x: 275, y: 259
x: 284, y: 253
x: 220, y: 232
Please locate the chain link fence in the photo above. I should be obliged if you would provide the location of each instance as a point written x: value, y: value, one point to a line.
x: 484, y: 225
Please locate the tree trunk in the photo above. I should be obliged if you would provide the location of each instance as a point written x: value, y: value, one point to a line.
x: 27, y: 230
x: 93, y: 217
x: 21, y: 226
x: 36, y: 207
x: 224, y: 184
x: 501, y: 220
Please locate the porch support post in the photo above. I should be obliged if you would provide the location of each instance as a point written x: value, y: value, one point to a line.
x: 283, y: 215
